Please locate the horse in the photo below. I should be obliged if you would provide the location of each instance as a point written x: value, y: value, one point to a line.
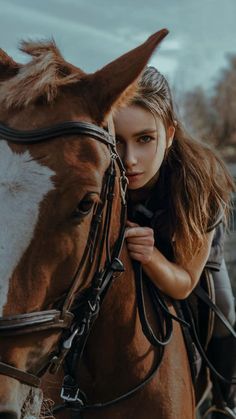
x: 62, y: 189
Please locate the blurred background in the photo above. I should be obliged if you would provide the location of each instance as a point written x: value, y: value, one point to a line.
x: 198, y: 57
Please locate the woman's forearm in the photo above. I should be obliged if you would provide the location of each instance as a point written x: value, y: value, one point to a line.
x: 169, y: 277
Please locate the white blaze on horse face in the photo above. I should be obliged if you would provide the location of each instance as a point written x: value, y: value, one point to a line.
x: 23, y: 185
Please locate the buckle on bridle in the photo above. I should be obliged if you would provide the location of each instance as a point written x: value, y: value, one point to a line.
x: 70, y: 392
x: 123, y: 187
x: 92, y: 306
x: 117, y: 265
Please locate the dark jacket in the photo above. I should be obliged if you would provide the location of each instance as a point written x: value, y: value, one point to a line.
x: 155, y: 212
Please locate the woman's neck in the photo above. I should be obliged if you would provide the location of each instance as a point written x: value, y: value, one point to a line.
x: 141, y: 194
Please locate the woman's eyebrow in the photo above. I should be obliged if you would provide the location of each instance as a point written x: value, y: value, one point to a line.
x: 137, y: 134
x: 145, y: 131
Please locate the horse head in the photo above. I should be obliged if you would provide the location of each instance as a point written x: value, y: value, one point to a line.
x: 52, y: 175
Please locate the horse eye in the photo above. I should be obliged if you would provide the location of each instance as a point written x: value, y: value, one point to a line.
x: 84, y: 207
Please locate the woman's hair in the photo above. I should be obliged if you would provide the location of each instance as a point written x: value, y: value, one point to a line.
x: 200, y: 183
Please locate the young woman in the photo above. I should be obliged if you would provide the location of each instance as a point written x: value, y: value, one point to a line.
x: 179, y: 193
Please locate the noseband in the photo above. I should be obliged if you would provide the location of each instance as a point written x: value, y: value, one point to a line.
x: 65, y: 318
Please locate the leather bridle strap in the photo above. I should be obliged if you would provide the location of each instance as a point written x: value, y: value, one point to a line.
x: 30, y: 323
x: 59, y: 130
x: 20, y: 375
x: 34, y: 322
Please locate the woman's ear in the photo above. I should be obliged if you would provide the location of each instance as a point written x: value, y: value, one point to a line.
x: 170, y: 135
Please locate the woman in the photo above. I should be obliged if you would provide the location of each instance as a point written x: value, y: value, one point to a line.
x: 179, y: 192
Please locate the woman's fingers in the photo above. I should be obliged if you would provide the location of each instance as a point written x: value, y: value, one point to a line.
x: 140, y: 243
x: 143, y: 241
x: 131, y: 224
x: 138, y: 232
x: 139, y: 248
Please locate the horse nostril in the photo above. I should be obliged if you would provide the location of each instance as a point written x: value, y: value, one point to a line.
x: 8, y: 415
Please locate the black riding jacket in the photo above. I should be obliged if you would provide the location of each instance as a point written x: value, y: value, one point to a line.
x: 155, y: 212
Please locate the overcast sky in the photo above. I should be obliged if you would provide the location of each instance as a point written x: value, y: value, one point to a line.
x: 91, y: 33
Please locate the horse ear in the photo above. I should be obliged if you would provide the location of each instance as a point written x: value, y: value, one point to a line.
x: 115, y: 82
x: 8, y: 67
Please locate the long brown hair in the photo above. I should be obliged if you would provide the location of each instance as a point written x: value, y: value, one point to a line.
x: 200, y: 183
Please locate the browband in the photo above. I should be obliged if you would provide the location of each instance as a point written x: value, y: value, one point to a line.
x: 58, y: 130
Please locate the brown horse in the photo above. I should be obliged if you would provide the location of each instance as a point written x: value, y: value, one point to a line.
x: 52, y: 189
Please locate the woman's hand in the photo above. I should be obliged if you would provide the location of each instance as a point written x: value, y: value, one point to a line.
x: 140, y: 242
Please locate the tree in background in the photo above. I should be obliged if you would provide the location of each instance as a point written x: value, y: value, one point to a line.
x: 198, y: 114
x: 212, y: 117
x: 224, y: 104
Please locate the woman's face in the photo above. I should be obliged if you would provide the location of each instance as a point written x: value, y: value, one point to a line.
x: 141, y: 143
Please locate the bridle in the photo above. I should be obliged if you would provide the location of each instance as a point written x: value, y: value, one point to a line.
x: 63, y: 319
x: 79, y: 311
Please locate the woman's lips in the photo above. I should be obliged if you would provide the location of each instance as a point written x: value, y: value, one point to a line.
x: 133, y: 176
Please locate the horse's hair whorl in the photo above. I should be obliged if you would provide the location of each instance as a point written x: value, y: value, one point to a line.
x: 40, y: 48
x: 42, y: 76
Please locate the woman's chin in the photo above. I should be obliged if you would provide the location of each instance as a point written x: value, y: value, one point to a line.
x: 133, y: 187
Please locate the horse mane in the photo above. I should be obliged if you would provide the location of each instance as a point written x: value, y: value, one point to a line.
x: 41, y: 77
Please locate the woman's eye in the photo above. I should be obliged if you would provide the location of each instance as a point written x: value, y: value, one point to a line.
x: 145, y: 139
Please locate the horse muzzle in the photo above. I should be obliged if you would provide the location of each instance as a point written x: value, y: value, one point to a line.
x: 18, y: 401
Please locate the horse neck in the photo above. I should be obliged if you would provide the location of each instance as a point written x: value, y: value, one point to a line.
x: 120, y: 299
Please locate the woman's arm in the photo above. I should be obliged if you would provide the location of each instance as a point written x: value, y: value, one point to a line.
x: 172, y: 279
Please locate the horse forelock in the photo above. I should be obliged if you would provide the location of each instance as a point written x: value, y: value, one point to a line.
x: 23, y: 185
x: 41, y: 77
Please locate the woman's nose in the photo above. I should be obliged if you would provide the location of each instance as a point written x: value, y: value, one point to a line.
x: 130, y: 158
